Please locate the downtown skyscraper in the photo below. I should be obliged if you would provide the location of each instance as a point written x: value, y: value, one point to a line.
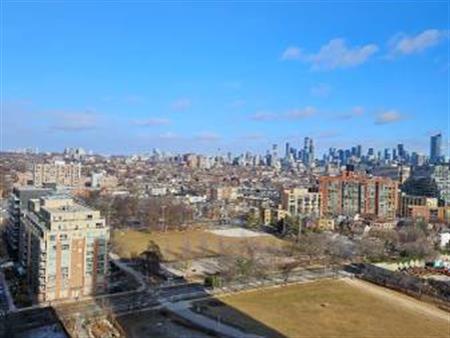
x: 436, y: 148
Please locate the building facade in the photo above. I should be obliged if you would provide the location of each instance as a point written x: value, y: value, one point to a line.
x: 59, y: 173
x: 301, y: 202
x: 66, y: 250
x: 408, y: 201
x: 441, y: 175
x: 351, y: 193
x: 17, y: 205
x: 436, y: 148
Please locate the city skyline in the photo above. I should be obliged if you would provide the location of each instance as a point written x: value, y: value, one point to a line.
x: 231, y: 76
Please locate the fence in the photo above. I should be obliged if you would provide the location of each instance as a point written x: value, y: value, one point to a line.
x: 426, y: 289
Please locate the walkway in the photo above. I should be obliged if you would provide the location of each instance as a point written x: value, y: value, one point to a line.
x: 182, y: 309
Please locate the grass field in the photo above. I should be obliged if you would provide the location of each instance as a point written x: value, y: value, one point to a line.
x: 188, y: 244
x: 331, y: 308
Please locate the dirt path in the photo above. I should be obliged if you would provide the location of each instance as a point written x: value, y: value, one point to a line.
x: 398, y: 299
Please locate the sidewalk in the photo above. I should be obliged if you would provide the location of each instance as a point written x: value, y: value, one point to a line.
x: 182, y: 309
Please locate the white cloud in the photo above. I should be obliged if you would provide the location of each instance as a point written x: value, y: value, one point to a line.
x: 293, y: 114
x: 263, y: 116
x: 74, y: 122
x: 169, y: 136
x: 154, y: 121
x: 405, y: 44
x: 291, y: 53
x: 335, y: 54
x: 301, y: 113
x: 128, y: 99
x: 320, y: 90
x: 387, y: 117
x: 181, y: 104
x: 207, y: 136
x: 253, y: 137
x: 358, y: 111
x: 355, y: 112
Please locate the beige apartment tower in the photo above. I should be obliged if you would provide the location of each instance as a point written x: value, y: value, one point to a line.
x: 301, y: 202
x: 66, y: 248
x: 59, y: 172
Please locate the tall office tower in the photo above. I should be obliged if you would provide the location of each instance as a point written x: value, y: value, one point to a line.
x: 352, y: 193
x: 311, y: 151
x: 401, y: 151
x: 67, y: 254
x: 436, y: 148
x: 394, y: 154
x: 305, y: 150
x: 387, y: 154
x: 341, y: 156
x: 287, y: 150
x: 59, y: 173
x: 308, y: 151
x: 17, y: 205
x: 359, y: 151
x: 274, y: 151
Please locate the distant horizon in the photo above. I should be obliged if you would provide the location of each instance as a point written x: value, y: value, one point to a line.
x: 223, y: 152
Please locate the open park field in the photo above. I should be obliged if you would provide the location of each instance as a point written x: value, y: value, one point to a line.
x: 190, y: 244
x: 330, y: 308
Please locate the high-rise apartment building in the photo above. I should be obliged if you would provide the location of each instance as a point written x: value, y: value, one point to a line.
x: 436, y: 148
x: 301, y: 202
x: 66, y: 248
x: 352, y: 193
x: 17, y: 205
x: 59, y: 172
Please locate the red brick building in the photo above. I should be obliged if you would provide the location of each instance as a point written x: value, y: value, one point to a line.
x: 352, y: 193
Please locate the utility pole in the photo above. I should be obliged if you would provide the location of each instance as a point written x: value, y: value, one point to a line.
x: 300, y: 226
x: 163, y: 218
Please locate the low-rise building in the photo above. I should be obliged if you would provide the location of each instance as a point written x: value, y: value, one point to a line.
x: 430, y: 213
x: 408, y: 201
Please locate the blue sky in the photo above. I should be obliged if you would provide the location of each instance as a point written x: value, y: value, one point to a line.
x: 128, y: 77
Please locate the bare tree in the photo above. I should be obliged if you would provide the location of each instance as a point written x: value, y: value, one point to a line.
x: 152, y: 258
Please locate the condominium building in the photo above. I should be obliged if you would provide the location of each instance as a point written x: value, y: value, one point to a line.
x: 17, y: 204
x: 408, y: 201
x: 224, y: 193
x: 441, y: 175
x: 301, y: 202
x: 58, y: 172
x: 67, y: 248
x: 352, y: 193
x: 430, y: 213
